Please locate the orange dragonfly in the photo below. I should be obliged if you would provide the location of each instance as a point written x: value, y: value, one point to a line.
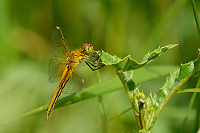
x: 62, y: 64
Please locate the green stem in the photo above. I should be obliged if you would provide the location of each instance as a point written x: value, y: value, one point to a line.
x: 189, y: 90
x: 102, y: 108
x: 125, y: 111
x: 138, y: 115
x: 196, y: 16
x: 198, y: 84
x: 198, y: 107
x: 188, y: 111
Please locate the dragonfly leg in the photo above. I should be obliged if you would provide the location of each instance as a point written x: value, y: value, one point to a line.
x: 95, y: 61
x: 95, y: 66
x: 98, y: 58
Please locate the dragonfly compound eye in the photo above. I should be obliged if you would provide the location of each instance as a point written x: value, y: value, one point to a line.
x: 87, y: 47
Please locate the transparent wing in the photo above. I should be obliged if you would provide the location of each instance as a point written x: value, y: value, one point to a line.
x: 56, y: 68
x: 74, y: 84
x: 59, y: 46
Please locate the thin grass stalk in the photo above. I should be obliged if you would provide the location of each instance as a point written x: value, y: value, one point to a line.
x: 102, y: 109
x: 196, y: 17
x: 197, y: 125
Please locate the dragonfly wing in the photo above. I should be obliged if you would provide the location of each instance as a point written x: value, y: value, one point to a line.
x: 56, y: 68
x: 59, y: 46
x: 74, y: 84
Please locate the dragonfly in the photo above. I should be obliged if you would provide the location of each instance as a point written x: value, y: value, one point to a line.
x: 63, y: 63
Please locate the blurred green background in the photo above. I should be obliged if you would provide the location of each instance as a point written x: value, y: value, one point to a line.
x: 120, y: 27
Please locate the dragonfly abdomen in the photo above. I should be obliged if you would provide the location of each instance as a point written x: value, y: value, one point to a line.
x: 65, y: 77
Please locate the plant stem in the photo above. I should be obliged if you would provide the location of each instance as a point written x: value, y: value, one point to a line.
x: 198, y: 108
x: 198, y: 83
x: 102, y: 108
x: 138, y: 115
x: 190, y: 107
x: 125, y: 111
x: 188, y: 111
x: 196, y: 16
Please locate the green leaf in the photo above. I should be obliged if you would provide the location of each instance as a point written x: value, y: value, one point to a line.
x: 128, y: 63
x: 173, y: 83
x: 177, y: 78
x: 114, y: 84
x: 148, y: 108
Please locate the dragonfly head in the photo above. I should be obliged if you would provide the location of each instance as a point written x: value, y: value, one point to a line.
x: 88, y: 48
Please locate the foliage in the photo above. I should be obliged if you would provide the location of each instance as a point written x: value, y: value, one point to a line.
x: 118, y: 27
x: 148, y: 108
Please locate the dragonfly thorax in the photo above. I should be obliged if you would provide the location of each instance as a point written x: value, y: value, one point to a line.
x: 77, y: 57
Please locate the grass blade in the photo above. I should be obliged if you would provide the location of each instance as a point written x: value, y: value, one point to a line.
x: 196, y: 16
x: 114, y: 84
